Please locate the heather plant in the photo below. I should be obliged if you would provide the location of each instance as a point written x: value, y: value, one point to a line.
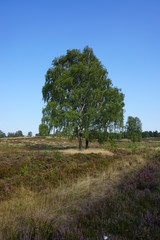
x: 133, y: 213
x: 68, y: 197
x: 58, y: 155
x: 25, y: 170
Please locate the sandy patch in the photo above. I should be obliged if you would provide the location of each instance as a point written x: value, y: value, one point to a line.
x: 88, y: 151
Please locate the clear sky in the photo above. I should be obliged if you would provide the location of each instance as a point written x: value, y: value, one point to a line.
x: 124, y: 34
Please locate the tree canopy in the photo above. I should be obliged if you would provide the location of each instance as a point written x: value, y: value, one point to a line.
x: 30, y: 134
x: 18, y: 133
x: 2, y: 134
x: 43, y: 130
x: 79, y: 97
x: 134, y: 129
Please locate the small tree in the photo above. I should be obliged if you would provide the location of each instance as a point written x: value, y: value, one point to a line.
x: 43, y: 130
x: 134, y: 129
x: 2, y: 134
x: 30, y: 134
x: 19, y: 134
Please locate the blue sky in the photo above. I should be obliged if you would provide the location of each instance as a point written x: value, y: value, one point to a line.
x: 124, y: 34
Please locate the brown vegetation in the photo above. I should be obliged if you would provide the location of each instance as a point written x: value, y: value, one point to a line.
x: 43, y: 180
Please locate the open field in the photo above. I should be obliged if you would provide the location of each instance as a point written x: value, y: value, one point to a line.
x: 50, y: 190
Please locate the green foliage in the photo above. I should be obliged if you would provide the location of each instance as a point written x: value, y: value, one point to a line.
x: 102, y: 137
x: 43, y: 130
x: 45, y: 152
x: 2, y: 134
x: 147, y: 134
x: 113, y: 143
x: 133, y: 146
x: 16, y: 134
x: 10, y: 134
x: 19, y: 134
x: 30, y: 134
x: 24, y: 170
x: 58, y: 155
x: 134, y: 129
x: 79, y: 96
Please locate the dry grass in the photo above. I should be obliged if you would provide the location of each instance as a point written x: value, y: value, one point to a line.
x: 63, y: 203
x: 69, y: 180
x: 88, y: 151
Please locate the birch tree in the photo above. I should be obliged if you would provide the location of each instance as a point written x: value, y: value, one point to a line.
x: 79, y: 96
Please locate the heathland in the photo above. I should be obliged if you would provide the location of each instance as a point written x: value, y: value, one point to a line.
x: 51, y: 190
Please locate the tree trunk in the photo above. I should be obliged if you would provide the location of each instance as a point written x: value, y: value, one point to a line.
x: 86, y: 143
x: 80, y: 135
x: 80, y: 141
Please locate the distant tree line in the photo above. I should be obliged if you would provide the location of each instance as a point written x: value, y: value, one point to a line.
x: 147, y: 134
x: 125, y: 135
x: 18, y: 133
x: 133, y: 131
